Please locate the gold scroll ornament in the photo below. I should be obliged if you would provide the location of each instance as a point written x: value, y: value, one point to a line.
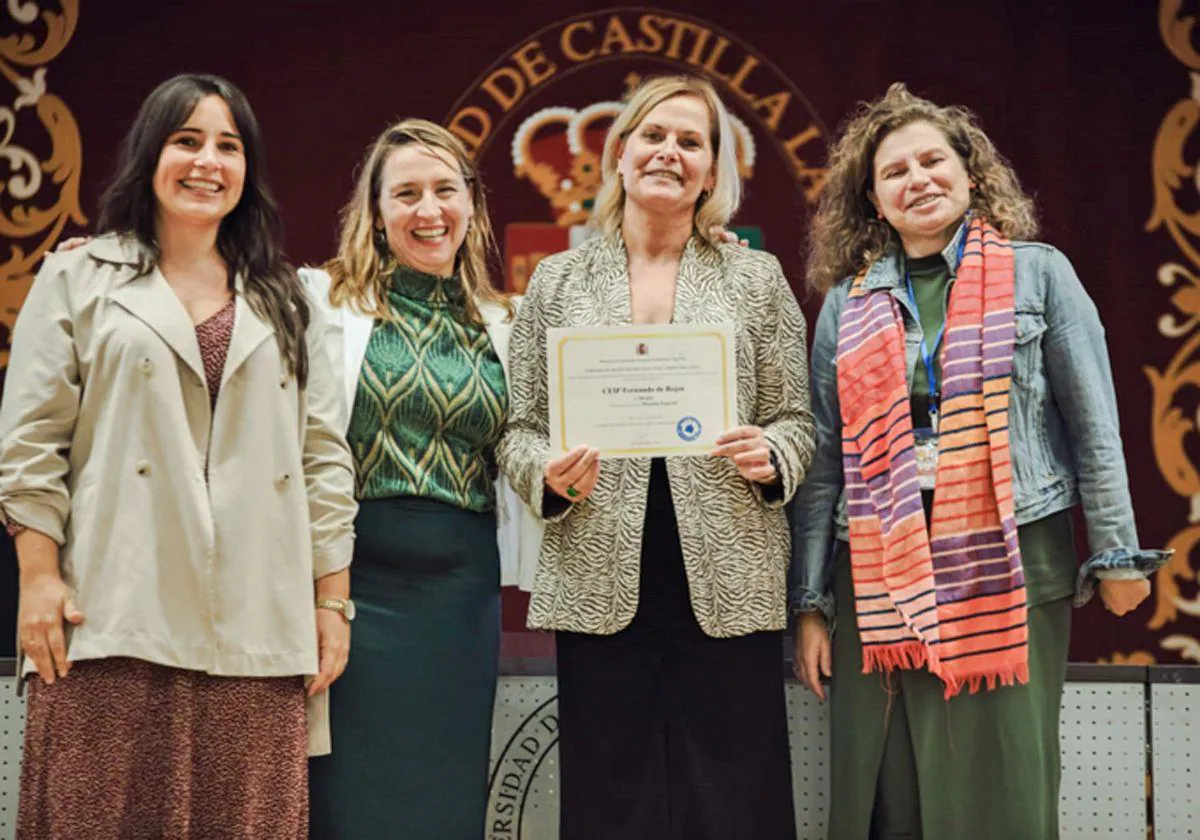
x: 1176, y: 182
x: 40, y: 161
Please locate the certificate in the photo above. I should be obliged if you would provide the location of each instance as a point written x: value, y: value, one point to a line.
x: 641, y: 390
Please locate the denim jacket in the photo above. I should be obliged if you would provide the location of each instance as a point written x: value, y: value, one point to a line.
x: 1066, y: 445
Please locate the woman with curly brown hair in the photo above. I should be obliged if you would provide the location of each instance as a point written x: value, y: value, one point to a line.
x: 964, y: 405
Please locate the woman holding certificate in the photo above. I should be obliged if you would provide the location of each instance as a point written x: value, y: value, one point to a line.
x: 664, y: 577
x: 965, y: 405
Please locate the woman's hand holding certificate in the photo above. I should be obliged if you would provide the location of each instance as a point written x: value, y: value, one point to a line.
x: 574, y: 475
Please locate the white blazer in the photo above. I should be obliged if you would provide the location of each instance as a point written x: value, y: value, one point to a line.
x: 519, y: 532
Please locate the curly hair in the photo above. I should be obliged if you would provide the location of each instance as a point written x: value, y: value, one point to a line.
x: 846, y: 235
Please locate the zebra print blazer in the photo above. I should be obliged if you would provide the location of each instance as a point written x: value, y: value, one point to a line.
x: 734, y: 533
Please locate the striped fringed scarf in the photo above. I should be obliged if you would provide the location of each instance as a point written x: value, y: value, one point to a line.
x: 951, y: 598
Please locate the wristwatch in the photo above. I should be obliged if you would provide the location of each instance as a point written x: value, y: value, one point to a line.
x: 344, y: 606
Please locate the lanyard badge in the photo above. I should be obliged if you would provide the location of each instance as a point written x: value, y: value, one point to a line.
x: 927, y: 356
x: 926, y: 440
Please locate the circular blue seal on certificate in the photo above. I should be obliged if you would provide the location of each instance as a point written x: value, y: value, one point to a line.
x: 688, y: 429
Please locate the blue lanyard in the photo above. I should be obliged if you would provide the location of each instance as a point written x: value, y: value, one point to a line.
x: 927, y: 352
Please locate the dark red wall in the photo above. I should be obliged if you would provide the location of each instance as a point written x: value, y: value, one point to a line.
x: 1073, y: 93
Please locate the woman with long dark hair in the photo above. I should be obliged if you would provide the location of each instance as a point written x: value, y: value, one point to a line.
x: 181, y: 497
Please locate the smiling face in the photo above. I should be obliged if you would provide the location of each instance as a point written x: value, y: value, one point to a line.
x: 921, y: 187
x: 667, y: 160
x: 424, y: 207
x: 202, y: 167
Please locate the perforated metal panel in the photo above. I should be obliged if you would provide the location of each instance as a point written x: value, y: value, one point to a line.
x: 523, y: 794
x: 808, y: 731
x: 1103, y: 744
x: 12, y: 726
x: 1175, y: 720
x: 1103, y: 759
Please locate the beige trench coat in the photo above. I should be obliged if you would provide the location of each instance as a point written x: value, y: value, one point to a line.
x: 105, y: 430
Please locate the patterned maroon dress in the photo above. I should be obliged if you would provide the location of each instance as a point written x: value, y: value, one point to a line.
x: 123, y: 749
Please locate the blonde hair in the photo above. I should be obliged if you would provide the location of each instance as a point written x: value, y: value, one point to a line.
x: 357, y: 272
x: 846, y: 235
x: 712, y: 210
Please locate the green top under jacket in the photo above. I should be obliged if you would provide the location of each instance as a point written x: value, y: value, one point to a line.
x: 431, y: 400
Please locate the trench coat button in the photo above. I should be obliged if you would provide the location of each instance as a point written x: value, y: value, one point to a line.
x: 143, y: 468
x: 281, y: 480
x: 146, y: 366
x: 283, y: 382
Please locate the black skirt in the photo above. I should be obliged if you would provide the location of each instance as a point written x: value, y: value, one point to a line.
x: 667, y: 733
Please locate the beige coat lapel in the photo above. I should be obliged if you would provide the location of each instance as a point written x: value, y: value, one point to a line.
x: 498, y: 323
x: 149, y: 299
x: 249, y: 331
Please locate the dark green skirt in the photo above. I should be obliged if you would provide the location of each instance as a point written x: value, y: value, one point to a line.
x: 905, y: 763
x: 411, y: 717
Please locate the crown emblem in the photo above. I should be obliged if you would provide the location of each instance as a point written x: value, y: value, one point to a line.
x: 558, y: 150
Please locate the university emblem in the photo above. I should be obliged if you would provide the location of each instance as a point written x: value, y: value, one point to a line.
x: 550, y: 102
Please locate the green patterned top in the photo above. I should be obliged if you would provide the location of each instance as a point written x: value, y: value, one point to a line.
x: 431, y: 400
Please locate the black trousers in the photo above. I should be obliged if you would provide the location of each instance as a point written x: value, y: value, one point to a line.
x: 666, y: 733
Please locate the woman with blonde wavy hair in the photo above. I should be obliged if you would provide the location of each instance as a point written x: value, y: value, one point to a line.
x: 420, y: 337
x: 964, y: 405
x: 664, y: 579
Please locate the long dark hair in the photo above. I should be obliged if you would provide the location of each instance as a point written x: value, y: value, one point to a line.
x: 250, y: 239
